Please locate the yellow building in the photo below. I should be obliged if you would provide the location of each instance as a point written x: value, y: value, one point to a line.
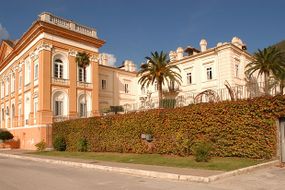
x: 41, y: 82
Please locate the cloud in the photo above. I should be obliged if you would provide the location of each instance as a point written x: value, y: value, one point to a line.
x: 111, y: 59
x: 3, y: 33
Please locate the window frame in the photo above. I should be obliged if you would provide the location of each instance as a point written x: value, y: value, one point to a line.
x: 189, y: 78
x: 209, y: 73
x: 58, y: 69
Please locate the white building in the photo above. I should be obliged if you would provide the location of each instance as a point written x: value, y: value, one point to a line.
x: 204, y: 69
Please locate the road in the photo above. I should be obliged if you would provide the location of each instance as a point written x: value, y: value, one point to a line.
x: 28, y: 175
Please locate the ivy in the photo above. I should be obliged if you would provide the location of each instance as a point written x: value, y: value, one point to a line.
x: 243, y: 128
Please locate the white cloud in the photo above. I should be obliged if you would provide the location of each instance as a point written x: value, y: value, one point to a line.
x: 111, y: 59
x: 3, y: 33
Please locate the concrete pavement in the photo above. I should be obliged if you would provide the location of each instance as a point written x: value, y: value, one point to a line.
x: 23, y: 174
x: 173, y: 173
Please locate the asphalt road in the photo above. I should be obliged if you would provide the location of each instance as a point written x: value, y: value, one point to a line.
x: 28, y: 175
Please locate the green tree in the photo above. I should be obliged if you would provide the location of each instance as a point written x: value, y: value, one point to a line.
x: 83, y: 60
x: 267, y: 62
x: 158, y: 69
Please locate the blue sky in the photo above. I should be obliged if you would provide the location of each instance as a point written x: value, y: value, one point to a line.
x: 134, y: 28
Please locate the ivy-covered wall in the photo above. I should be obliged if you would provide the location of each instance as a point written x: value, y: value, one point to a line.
x: 243, y: 128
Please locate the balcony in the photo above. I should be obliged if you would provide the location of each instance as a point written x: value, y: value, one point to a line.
x: 68, y: 24
x: 60, y: 81
x: 60, y: 118
x: 84, y: 84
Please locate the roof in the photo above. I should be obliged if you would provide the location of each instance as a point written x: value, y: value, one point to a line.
x: 11, y: 43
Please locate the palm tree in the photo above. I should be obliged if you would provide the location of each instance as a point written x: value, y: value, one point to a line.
x: 268, y: 61
x: 158, y: 69
x: 83, y: 60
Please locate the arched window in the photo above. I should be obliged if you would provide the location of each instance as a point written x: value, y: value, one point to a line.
x: 7, y: 111
x: 60, y: 103
x: 84, y: 105
x: 3, y: 114
x: 58, y: 68
x: 13, y: 83
x: 13, y: 111
x: 81, y: 74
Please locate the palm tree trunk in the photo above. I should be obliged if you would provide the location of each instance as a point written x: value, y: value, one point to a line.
x: 266, y: 83
x: 159, y: 85
x: 281, y: 86
x: 84, y: 75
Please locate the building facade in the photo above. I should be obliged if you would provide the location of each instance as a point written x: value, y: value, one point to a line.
x: 41, y: 83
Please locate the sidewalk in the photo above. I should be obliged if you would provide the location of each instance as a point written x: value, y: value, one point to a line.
x: 185, y: 174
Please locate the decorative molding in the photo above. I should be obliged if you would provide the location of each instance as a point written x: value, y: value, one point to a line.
x: 72, y: 53
x: 94, y: 58
x: 44, y: 46
x: 34, y: 56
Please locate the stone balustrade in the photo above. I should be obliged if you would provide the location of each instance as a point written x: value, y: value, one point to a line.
x: 68, y: 24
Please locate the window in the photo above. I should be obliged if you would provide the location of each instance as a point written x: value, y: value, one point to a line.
x: 189, y: 78
x: 20, y: 81
x: 104, y: 84
x: 27, y: 72
x: 237, y: 70
x: 58, y: 108
x: 2, y: 89
x: 36, y: 71
x: 58, y: 69
x: 19, y: 112
x: 7, y: 87
x: 82, y: 74
x: 143, y: 90
x: 155, y: 87
x: 126, y: 88
x: 171, y: 85
x: 13, y: 83
x: 209, y: 73
x: 35, y: 108
x: 13, y: 110
x: 7, y: 111
x: 3, y: 114
x: 83, y: 110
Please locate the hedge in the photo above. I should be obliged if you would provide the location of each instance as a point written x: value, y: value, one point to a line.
x: 243, y: 128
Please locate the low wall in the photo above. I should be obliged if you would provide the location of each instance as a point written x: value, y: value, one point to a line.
x: 31, y: 135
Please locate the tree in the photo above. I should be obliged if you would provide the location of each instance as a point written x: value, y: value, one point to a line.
x: 158, y: 69
x: 5, y: 135
x: 83, y: 60
x: 268, y: 61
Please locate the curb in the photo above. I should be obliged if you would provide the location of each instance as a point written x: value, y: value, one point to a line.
x: 145, y: 173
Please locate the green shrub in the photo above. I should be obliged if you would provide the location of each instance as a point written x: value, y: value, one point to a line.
x: 242, y: 128
x: 202, y: 151
x: 82, y: 145
x: 59, y: 143
x: 41, y: 146
x: 6, y: 135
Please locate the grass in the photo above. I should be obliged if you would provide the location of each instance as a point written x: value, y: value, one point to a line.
x: 216, y: 163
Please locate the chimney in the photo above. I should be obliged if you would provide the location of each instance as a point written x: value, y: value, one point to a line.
x: 179, y: 52
x: 237, y: 42
x: 203, y: 45
x: 172, y: 56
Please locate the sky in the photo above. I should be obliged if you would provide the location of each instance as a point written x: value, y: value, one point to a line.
x: 133, y: 29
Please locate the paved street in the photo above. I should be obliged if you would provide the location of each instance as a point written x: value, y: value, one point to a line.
x: 21, y: 175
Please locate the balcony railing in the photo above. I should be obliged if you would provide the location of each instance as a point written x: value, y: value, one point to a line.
x: 68, y: 24
x: 60, y: 118
x: 84, y: 84
x: 60, y: 81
